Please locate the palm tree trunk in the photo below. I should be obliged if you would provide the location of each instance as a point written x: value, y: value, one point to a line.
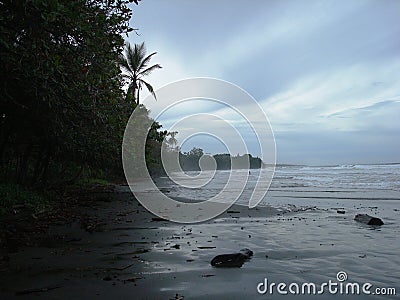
x: 133, y: 94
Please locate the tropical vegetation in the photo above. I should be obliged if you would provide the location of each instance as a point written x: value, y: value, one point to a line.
x: 64, y: 104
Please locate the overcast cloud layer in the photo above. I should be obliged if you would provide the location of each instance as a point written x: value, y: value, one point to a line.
x: 325, y: 72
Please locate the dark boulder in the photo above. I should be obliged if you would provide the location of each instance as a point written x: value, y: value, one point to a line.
x: 369, y: 220
x: 232, y: 260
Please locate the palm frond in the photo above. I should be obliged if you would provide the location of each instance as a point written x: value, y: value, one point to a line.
x: 131, y: 56
x: 149, y: 70
x: 138, y: 55
x: 149, y: 88
x: 145, y: 61
x: 141, y: 49
x: 122, y: 61
x: 128, y: 51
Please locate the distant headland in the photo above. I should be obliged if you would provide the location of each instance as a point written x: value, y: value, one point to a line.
x: 190, y: 161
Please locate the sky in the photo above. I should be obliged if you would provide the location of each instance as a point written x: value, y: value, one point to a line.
x: 326, y: 73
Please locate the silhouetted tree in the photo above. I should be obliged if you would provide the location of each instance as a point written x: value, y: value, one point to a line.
x: 136, y: 64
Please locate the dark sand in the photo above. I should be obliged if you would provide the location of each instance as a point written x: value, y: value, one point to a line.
x: 120, y: 252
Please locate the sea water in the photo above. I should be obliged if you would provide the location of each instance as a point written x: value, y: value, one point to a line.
x: 307, y: 240
x: 299, y: 185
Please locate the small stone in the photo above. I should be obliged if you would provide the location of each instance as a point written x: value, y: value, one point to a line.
x: 369, y: 220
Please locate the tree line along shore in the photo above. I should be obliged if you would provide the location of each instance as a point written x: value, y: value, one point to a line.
x: 69, y: 83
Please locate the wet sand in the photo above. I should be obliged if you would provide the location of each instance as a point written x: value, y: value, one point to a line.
x: 129, y: 255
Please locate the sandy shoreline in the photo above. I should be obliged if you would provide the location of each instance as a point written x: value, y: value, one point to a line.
x: 130, y: 256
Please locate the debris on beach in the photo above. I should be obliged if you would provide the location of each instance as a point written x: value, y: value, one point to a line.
x: 369, y: 220
x: 340, y: 211
x: 232, y: 260
x: 122, y: 268
x: 36, y: 291
x: 131, y: 279
x: 178, y: 297
x: 158, y: 219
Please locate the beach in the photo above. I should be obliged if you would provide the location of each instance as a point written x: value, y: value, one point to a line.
x: 297, y: 236
x: 199, y: 150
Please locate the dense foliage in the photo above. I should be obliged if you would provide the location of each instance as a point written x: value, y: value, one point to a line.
x: 227, y: 162
x: 63, y: 109
x: 189, y: 161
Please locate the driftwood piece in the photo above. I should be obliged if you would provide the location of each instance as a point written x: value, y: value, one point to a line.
x: 38, y: 290
x: 369, y: 220
x: 123, y: 268
x: 158, y: 219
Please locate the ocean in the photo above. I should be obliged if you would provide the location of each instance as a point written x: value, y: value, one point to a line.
x: 298, y: 185
x: 297, y: 235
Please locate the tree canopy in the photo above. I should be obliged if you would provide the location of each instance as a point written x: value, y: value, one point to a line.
x: 61, y: 87
x: 190, y: 161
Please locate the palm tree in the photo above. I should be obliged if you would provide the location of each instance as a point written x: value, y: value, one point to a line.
x: 136, y: 64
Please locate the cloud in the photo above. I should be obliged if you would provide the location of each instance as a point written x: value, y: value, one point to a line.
x: 321, y: 99
x: 380, y: 116
x: 326, y: 73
